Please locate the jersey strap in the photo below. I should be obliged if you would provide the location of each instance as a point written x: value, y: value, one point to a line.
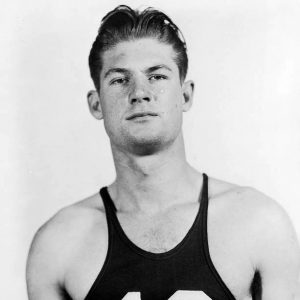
x: 184, y: 272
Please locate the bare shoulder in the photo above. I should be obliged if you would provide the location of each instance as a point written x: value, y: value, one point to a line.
x: 258, y: 221
x: 72, y: 221
x: 57, y: 242
x: 253, y: 206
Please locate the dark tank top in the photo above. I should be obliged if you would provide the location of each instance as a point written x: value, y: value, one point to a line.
x: 184, y: 272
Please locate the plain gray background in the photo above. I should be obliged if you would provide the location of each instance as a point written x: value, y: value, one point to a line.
x: 244, y: 126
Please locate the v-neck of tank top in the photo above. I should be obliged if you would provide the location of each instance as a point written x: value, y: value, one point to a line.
x: 161, y: 255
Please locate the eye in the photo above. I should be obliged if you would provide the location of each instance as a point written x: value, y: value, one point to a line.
x: 157, y: 77
x: 121, y: 80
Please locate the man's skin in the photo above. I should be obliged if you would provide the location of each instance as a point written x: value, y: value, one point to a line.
x: 156, y: 192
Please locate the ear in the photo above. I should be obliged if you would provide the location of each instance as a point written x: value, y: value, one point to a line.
x: 94, y: 104
x: 188, y: 94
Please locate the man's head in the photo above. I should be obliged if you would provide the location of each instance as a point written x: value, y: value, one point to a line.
x: 126, y: 24
x: 138, y: 64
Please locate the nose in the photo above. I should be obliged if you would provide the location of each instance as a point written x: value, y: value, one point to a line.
x: 140, y: 92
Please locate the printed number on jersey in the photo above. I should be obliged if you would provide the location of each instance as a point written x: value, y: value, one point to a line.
x: 179, y: 295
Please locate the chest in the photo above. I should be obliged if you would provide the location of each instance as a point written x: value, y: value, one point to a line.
x: 159, y: 233
x: 227, y: 249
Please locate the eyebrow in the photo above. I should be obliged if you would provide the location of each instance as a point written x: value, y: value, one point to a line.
x: 126, y: 71
x: 158, y: 67
x: 116, y: 70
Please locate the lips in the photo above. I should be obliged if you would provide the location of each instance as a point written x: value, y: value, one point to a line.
x: 141, y: 114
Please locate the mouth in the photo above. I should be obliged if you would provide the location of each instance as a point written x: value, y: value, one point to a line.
x: 141, y: 115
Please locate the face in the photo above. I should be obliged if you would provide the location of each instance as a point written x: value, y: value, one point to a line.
x: 141, y: 98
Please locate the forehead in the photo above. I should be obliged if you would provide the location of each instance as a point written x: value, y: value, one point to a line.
x: 139, y: 53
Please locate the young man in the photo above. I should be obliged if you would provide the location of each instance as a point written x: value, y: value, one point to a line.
x: 151, y: 234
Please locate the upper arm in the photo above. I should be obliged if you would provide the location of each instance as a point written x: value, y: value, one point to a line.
x: 57, y: 253
x: 44, y: 269
x: 277, y: 255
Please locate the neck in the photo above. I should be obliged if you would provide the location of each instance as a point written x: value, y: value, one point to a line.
x: 151, y: 183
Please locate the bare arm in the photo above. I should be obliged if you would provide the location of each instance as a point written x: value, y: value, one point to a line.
x: 73, y: 239
x: 44, y: 268
x: 278, y: 254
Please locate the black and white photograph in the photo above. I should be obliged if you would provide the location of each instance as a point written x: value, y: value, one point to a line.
x: 150, y: 150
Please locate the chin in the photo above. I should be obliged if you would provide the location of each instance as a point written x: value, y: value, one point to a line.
x: 146, y: 145
x: 149, y: 145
